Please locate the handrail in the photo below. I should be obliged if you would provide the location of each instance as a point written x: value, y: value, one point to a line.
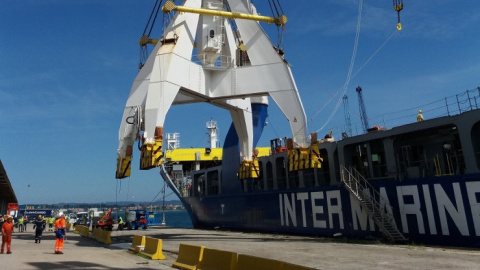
x: 367, y: 194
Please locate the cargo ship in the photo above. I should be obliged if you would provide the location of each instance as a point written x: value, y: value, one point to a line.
x: 417, y: 183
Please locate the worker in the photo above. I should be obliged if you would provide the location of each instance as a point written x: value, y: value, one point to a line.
x: 20, y: 224
x: 59, y: 233
x: 120, y: 223
x: 7, y: 231
x: 51, y: 221
x: 67, y: 222
x: 419, y: 116
x: 25, y: 221
x: 39, y: 226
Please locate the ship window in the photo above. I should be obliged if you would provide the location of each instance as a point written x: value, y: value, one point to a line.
x: 309, y: 177
x: 323, y: 173
x: 269, y: 176
x: 259, y: 180
x: 432, y: 152
x: 281, y: 173
x: 293, y: 180
x: 199, y: 185
x: 476, y: 142
x: 379, y: 166
x: 356, y: 157
x: 212, y: 183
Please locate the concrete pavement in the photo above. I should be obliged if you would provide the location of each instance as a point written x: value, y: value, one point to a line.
x: 321, y: 253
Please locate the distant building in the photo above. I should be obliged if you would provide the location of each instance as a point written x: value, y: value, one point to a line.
x: 7, y: 195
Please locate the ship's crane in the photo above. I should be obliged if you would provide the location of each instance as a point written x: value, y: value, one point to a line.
x: 169, y: 77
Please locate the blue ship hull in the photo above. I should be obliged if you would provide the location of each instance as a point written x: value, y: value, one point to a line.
x: 437, y: 211
x: 427, y: 175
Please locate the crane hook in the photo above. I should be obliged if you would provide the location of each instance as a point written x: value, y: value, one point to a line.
x: 398, y: 6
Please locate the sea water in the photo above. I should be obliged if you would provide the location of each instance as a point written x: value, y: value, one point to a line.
x: 173, y: 218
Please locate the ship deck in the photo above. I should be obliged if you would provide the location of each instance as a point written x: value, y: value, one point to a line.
x: 320, y: 253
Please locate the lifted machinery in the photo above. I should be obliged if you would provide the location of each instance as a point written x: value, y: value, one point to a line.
x: 136, y: 219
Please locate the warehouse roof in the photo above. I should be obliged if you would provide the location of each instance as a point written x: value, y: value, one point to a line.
x: 6, y: 191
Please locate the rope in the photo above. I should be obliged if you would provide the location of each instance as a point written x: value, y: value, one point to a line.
x: 150, y: 18
x: 352, y: 62
x: 379, y: 48
x: 354, y: 75
x: 128, y: 189
x: 271, y: 126
x: 155, y: 18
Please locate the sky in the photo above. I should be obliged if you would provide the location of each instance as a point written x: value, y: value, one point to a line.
x: 66, y: 69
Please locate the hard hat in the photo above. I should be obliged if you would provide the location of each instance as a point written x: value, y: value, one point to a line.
x: 60, y: 214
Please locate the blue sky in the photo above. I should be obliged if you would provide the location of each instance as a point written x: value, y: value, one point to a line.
x: 66, y: 69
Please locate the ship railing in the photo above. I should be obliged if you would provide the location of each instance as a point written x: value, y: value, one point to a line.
x: 378, y: 208
x: 467, y: 100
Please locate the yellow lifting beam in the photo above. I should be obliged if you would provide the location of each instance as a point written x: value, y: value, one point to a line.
x: 170, y: 6
x: 301, y: 158
x: 151, y: 155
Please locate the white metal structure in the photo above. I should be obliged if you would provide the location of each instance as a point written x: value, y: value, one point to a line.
x: 173, y: 141
x: 170, y: 77
x: 212, y: 133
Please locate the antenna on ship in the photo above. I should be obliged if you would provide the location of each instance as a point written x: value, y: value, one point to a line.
x: 212, y: 135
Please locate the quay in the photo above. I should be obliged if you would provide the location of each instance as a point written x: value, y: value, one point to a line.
x: 320, y: 253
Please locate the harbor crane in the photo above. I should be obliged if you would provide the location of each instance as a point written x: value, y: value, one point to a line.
x: 363, y: 111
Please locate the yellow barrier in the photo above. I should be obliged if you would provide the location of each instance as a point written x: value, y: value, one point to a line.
x: 214, y: 259
x: 290, y: 266
x: 102, y: 236
x: 138, y: 242
x: 82, y: 230
x: 247, y: 262
x: 189, y: 257
x: 153, y: 249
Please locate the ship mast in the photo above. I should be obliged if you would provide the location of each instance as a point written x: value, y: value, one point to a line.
x: 212, y: 133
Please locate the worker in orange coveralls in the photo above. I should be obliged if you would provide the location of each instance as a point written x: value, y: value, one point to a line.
x: 7, y: 230
x: 60, y: 226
